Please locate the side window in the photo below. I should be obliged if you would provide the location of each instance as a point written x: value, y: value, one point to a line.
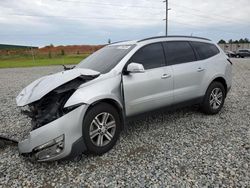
x: 150, y: 56
x: 205, y: 50
x: 178, y: 52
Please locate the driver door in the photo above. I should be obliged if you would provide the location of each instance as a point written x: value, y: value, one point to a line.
x: 152, y: 88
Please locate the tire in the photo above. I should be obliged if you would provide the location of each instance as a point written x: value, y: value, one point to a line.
x: 99, y: 136
x: 211, y: 104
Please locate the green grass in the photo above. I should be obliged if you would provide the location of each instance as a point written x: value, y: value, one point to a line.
x: 23, y: 61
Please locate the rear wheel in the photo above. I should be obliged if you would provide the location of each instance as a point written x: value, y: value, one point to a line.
x: 214, y: 98
x: 101, y: 128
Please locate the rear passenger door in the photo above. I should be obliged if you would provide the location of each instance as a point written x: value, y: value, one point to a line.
x: 187, y: 70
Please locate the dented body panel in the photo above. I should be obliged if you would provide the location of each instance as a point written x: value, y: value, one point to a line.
x: 67, y: 125
x: 39, y: 88
x: 58, y: 103
x: 104, y: 87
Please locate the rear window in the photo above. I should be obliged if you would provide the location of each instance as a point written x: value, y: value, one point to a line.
x: 178, y: 52
x: 205, y: 50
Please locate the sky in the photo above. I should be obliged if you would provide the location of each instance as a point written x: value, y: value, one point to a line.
x: 72, y: 22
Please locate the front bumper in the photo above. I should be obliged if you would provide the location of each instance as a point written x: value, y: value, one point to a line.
x: 69, y: 125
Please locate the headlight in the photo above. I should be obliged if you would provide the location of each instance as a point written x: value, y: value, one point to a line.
x: 50, y: 149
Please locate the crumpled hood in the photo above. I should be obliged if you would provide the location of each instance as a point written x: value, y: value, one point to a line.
x: 39, y: 88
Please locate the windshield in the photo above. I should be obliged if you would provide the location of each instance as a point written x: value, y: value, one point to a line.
x: 106, y: 58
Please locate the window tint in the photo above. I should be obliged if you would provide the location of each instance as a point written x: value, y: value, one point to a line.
x: 205, y: 50
x: 178, y: 52
x: 150, y: 56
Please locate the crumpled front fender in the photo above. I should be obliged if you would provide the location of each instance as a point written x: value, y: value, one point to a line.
x: 109, y: 88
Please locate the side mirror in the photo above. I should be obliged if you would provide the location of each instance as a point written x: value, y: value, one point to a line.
x: 135, y: 68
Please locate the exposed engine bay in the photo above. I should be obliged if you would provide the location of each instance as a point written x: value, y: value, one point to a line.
x: 50, y: 107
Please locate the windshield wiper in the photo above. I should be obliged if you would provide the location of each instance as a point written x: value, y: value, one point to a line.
x: 67, y: 68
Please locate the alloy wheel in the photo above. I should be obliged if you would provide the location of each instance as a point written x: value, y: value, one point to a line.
x: 216, y: 98
x: 102, y: 129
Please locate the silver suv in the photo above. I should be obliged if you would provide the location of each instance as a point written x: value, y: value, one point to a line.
x: 85, y: 108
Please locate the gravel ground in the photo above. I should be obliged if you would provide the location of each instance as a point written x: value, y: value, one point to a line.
x: 181, y: 148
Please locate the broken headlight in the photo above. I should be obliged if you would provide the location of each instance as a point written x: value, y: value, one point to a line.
x: 50, y: 149
x: 51, y: 106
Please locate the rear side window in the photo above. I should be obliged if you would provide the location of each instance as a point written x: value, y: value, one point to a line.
x: 205, y: 50
x: 178, y: 52
x: 150, y: 56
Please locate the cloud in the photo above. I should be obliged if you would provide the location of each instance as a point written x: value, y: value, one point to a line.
x: 40, y: 22
x: 211, y: 13
x: 92, y: 13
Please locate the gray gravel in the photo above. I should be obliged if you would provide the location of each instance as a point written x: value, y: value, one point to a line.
x: 182, y: 148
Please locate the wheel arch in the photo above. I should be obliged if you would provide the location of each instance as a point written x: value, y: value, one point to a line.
x: 116, y: 104
x: 221, y: 80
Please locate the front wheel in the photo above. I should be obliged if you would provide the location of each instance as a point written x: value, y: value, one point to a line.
x: 214, y: 98
x: 101, y: 128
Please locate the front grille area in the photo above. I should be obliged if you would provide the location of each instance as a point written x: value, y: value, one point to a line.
x: 48, y: 109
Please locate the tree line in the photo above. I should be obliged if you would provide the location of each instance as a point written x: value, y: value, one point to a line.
x: 231, y: 41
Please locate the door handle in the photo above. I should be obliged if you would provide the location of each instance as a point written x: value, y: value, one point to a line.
x: 200, y: 69
x: 165, y: 76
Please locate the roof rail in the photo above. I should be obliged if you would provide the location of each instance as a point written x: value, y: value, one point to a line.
x: 173, y: 36
x: 118, y: 42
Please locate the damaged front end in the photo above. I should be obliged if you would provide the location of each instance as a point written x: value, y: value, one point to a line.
x: 51, y: 106
x: 55, y: 129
